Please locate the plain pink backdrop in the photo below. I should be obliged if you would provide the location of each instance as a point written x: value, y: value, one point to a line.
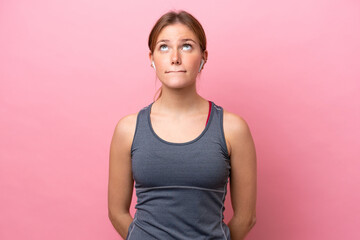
x: 69, y: 70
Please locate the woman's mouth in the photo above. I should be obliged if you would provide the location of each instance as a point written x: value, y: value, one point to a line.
x: 181, y: 71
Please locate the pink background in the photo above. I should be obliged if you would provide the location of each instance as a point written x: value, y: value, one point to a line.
x: 70, y: 70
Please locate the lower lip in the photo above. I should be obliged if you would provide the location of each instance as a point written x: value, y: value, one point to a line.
x: 177, y: 72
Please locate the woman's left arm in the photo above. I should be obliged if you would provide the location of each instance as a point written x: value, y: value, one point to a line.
x: 243, y: 175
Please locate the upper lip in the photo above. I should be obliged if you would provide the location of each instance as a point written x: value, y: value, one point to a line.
x: 176, y: 71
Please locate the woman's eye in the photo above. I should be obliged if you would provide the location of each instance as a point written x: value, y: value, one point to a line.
x: 162, y: 46
x: 188, y: 45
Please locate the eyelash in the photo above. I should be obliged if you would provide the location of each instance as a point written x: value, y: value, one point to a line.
x: 166, y: 45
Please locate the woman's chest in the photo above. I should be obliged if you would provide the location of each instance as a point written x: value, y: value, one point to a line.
x: 165, y: 165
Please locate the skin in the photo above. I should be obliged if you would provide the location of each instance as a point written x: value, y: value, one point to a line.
x: 180, y: 116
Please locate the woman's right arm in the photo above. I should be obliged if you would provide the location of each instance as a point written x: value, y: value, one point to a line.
x: 121, y: 183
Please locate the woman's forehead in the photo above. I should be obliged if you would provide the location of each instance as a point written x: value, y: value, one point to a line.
x: 176, y: 32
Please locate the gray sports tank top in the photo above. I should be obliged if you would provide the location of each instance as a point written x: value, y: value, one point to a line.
x: 180, y: 187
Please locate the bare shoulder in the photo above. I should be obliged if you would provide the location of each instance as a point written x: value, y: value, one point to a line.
x: 127, y: 122
x: 125, y: 129
x: 236, y: 129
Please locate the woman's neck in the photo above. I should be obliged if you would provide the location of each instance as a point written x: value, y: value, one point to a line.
x: 179, y: 103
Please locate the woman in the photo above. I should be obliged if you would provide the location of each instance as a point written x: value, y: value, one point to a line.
x: 180, y: 150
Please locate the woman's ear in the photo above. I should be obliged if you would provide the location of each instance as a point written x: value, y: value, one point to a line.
x: 151, y: 60
x: 205, y: 55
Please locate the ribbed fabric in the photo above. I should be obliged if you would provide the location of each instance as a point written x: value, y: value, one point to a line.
x: 180, y: 187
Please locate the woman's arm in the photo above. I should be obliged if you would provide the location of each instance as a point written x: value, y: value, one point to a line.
x: 243, y: 175
x: 121, y: 183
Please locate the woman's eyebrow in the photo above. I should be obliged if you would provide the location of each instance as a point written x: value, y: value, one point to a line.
x: 182, y: 40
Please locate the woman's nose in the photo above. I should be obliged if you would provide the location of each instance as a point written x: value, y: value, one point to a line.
x: 175, y: 58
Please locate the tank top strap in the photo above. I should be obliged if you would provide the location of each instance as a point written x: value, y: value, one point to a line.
x: 216, y: 127
x: 141, y: 128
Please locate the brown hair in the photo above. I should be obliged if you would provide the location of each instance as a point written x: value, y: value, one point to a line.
x: 173, y: 17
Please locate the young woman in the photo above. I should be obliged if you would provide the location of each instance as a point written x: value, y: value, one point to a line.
x: 180, y: 151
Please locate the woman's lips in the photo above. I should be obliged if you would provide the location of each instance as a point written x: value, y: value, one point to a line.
x: 176, y: 72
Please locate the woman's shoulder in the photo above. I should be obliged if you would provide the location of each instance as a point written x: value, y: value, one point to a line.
x: 234, y: 120
x: 235, y: 128
x: 125, y: 127
x: 128, y: 120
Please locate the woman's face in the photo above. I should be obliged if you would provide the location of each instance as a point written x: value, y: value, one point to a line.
x: 177, y: 56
